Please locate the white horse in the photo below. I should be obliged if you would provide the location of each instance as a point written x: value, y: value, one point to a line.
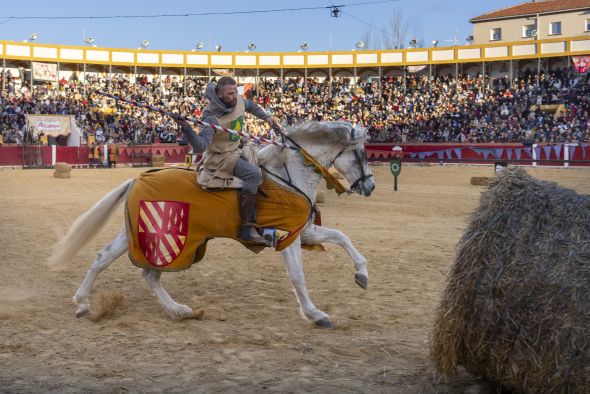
x: 331, y: 143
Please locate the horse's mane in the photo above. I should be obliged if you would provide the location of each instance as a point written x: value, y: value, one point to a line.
x: 337, y: 132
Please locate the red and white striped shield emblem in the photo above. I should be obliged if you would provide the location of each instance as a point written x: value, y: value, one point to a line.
x: 163, y: 227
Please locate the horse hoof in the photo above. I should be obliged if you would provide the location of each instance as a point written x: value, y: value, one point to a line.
x: 325, y: 323
x: 361, y: 280
x: 82, y: 311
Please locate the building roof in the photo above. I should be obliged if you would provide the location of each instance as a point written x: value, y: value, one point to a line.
x: 533, y: 8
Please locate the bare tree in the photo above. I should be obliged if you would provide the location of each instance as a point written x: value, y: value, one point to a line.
x: 395, y: 32
x: 367, y: 38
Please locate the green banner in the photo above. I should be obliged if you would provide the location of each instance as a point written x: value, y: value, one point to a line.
x: 395, y: 166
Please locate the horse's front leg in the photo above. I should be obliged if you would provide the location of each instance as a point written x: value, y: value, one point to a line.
x: 313, y: 235
x: 293, y: 262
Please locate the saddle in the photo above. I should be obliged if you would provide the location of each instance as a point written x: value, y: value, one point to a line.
x: 170, y: 219
x: 208, y: 181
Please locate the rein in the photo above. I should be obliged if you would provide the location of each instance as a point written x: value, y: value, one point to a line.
x: 309, y: 160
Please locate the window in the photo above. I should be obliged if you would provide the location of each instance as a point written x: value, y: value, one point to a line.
x: 529, y: 30
x: 555, y: 28
x: 587, y: 25
x: 496, y: 34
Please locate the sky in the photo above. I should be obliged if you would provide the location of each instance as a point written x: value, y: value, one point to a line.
x: 271, y: 32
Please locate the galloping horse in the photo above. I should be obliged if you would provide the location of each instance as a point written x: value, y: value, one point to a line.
x: 330, y: 143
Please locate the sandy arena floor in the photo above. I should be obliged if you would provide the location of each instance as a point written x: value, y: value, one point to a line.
x: 252, y: 338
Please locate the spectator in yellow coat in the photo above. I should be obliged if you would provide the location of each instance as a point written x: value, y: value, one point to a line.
x: 91, y: 149
x: 113, y: 151
x: 97, y: 156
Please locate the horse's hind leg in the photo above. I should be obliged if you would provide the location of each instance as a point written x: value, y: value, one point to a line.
x: 172, y: 308
x: 104, y: 258
x: 314, y: 235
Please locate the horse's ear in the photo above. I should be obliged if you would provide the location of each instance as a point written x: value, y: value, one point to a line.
x: 357, y: 133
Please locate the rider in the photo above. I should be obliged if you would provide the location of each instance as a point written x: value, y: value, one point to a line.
x: 221, y: 153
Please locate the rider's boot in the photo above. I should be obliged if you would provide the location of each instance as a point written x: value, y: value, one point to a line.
x: 248, y: 219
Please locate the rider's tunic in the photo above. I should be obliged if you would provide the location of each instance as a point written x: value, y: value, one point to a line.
x: 220, y: 157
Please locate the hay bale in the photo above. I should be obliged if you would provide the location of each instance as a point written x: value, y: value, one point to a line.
x: 158, y: 161
x: 63, y: 167
x: 62, y: 170
x: 320, y: 197
x: 480, y: 180
x: 516, y: 308
x: 63, y: 175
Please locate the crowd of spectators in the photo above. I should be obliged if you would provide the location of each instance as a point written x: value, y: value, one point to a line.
x: 553, y: 107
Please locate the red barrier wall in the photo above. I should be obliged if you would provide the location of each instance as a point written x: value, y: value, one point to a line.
x: 71, y: 154
x: 12, y: 155
x: 482, y: 153
x: 472, y: 153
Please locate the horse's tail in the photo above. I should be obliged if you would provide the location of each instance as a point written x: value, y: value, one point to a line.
x: 86, y: 227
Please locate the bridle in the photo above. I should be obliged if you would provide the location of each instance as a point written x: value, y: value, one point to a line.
x: 360, y: 161
x: 331, y: 181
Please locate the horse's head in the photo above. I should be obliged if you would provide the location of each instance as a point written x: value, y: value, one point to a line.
x: 331, y: 143
x: 351, y: 161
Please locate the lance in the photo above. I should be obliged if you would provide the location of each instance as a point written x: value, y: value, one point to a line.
x: 331, y: 181
x: 247, y: 136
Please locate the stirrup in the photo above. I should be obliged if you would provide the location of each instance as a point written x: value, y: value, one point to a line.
x: 245, y: 235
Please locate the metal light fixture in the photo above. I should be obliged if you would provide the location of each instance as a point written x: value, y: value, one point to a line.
x: 304, y: 46
x: 145, y: 44
x: 200, y: 45
x: 360, y: 45
x: 469, y: 40
x: 218, y: 48
x: 413, y: 43
x: 251, y: 46
x: 89, y: 40
x: 335, y: 12
x: 434, y: 43
x: 32, y: 36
